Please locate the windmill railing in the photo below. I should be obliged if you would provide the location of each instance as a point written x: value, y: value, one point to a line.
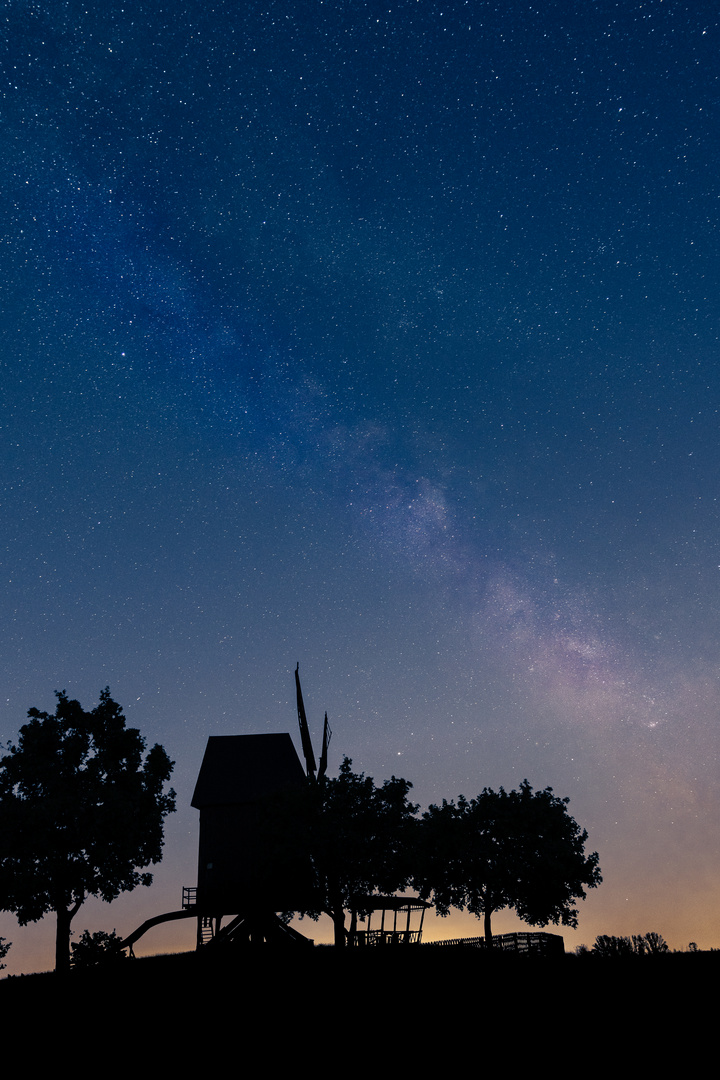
x: 189, y: 896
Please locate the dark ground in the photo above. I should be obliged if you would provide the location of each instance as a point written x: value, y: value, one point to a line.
x: 412, y: 1009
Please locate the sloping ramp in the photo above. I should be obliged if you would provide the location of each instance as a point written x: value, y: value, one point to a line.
x: 169, y: 916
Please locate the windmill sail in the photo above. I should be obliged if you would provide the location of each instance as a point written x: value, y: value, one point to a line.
x: 327, y: 734
x: 310, y: 766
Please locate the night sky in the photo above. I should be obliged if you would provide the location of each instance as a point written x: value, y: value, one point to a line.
x: 382, y: 338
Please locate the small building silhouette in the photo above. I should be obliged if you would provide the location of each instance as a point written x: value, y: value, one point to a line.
x: 400, y: 918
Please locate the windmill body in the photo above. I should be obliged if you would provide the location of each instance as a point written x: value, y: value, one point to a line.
x: 242, y: 782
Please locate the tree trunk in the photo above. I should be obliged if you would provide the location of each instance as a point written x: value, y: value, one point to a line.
x: 62, y: 938
x: 336, y: 911
x: 62, y: 942
x: 338, y: 918
x: 488, y: 930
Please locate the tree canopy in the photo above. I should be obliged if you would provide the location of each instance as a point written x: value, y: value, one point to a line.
x: 97, y: 950
x: 81, y: 813
x: 360, y: 841
x: 518, y: 849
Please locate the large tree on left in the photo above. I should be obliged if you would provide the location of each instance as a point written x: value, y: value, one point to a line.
x: 82, y: 809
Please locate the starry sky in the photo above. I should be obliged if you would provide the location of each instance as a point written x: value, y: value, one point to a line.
x: 382, y: 337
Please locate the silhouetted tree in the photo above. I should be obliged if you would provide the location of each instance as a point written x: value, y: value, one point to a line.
x: 4, y: 949
x: 613, y: 945
x: 98, y: 949
x: 651, y: 944
x: 518, y: 849
x: 359, y: 840
x: 81, y: 812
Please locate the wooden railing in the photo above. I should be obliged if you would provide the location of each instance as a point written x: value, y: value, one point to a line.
x: 524, y: 943
x: 387, y: 937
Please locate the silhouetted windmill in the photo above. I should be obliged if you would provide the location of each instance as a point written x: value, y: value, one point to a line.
x: 248, y: 865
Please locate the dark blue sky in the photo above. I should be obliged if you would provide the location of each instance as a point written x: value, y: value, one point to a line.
x: 383, y: 338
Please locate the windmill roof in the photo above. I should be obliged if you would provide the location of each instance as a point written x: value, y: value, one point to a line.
x: 243, y: 768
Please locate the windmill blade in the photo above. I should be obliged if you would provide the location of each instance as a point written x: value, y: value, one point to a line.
x: 327, y: 735
x: 310, y: 766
